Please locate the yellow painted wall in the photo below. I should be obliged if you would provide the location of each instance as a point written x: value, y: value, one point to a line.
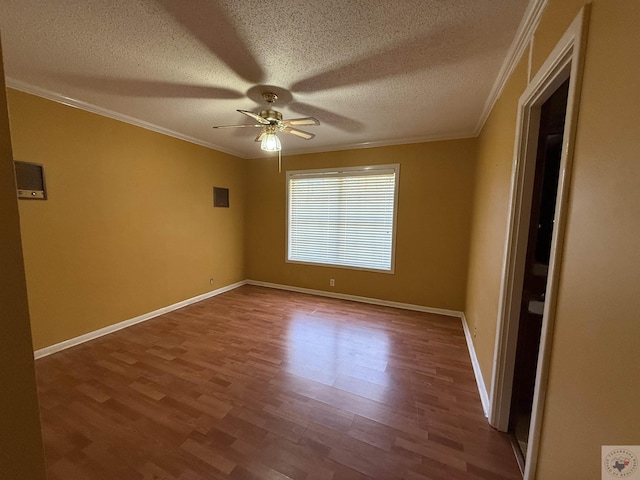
x: 21, y: 452
x: 129, y: 224
x: 129, y: 228
x: 491, y: 201
x: 594, y: 382
x: 434, y: 208
x: 594, y: 378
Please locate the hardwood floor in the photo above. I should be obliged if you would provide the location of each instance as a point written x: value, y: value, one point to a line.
x: 259, y: 383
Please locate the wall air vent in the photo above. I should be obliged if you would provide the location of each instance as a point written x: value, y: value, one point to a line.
x: 220, y: 197
x: 30, y: 181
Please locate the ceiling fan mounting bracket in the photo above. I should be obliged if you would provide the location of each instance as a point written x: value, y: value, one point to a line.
x: 269, y: 97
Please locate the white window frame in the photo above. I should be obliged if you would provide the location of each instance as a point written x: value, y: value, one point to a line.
x: 344, y: 172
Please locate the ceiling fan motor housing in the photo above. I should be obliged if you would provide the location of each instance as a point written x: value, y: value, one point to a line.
x: 271, y: 115
x: 271, y: 121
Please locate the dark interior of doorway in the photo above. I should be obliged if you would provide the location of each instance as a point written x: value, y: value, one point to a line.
x: 543, y: 203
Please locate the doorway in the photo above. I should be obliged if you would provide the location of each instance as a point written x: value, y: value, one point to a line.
x: 564, y: 64
x: 536, y: 267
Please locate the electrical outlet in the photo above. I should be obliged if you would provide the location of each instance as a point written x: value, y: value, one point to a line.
x: 475, y: 331
x: 211, y: 281
x: 332, y: 282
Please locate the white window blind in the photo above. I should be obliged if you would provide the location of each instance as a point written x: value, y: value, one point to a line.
x: 343, y: 217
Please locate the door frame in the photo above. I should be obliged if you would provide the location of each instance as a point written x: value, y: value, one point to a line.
x: 565, y: 61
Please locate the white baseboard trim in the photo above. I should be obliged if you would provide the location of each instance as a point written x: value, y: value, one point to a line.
x: 482, y: 389
x: 484, y: 397
x: 356, y: 298
x: 72, y: 342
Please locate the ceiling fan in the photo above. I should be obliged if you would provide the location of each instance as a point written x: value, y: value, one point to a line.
x: 271, y: 123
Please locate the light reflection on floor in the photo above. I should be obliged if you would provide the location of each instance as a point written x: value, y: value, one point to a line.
x: 336, y: 353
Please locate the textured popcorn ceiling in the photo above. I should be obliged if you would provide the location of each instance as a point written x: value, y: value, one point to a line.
x: 373, y: 72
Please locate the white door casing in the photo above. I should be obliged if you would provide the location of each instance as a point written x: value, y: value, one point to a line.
x: 565, y: 61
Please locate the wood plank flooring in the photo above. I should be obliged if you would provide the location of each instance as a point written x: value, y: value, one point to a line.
x: 259, y: 383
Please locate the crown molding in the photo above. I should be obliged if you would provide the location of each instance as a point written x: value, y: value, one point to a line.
x: 523, y: 36
x: 377, y: 144
x: 89, y: 107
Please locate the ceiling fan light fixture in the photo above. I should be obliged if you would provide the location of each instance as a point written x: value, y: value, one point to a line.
x: 270, y: 142
x: 270, y: 121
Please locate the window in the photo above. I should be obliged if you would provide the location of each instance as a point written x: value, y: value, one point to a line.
x: 343, y: 217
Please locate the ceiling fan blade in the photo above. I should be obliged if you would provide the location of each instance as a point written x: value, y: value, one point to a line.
x: 298, y: 133
x: 301, y: 121
x: 259, y: 137
x: 256, y: 117
x: 340, y: 122
x: 237, y: 126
